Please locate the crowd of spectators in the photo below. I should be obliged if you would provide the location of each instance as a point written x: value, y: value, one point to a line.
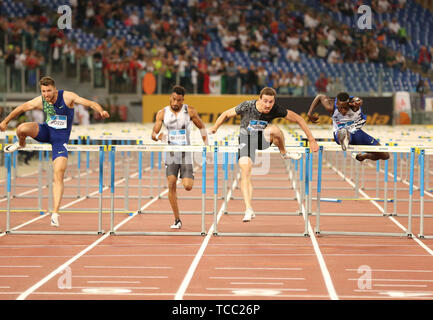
x: 176, y: 37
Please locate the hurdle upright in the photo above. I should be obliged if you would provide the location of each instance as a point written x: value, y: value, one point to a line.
x: 423, y: 153
x: 305, y: 189
x: 47, y: 147
x: 351, y: 148
x: 159, y: 148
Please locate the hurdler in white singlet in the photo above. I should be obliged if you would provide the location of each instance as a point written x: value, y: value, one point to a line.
x: 352, y: 120
x: 178, y: 132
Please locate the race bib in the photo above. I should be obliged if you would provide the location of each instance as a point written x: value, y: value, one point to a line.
x: 177, y: 137
x: 257, y: 125
x: 350, y: 126
x: 58, y: 122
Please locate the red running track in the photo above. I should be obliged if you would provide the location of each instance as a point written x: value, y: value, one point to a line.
x: 215, y: 267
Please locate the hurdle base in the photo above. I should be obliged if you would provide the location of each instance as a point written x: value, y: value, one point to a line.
x: 171, y: 212
x: 240, y: 234
x: 336, y: 214
x: 142, y: 233
x: 267, y: 199
x: 422, y: 236
x: 349, y: 233
x: 270, y: 213
x: 43, y: 232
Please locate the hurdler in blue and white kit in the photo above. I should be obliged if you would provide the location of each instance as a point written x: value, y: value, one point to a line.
x: 58, y: 106
x: 347, y: 121
x: 57, y: 126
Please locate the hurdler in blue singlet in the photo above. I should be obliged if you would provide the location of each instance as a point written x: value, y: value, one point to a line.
x: 57, y: 127
x: 353, y: 121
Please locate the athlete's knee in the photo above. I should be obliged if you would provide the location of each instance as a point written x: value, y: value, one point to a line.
x: 188, y: 187
x: 59, y: 176
x: 171, y: 184
x: 385, y: 156
x: 245, y: 174
x: 21, y: 130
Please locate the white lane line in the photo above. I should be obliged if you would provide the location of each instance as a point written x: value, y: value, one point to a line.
x: 127, y: 267
x: 365, y: 195
x: 122, y: 287
x: 26, y: 175
x: 59, y: 269
x: 123, y: 277
x: 277, y: 289
x: 14, y: 276
x: 322, y: 264
x: 395, y: 280
x: 392, y: 270
x: 258, y: 268
x: 256, y: 278
x: 190, y: 273
x: 401, y: 285
x: 260, y: 283
x: 112, y: 282
x: 20, y: 266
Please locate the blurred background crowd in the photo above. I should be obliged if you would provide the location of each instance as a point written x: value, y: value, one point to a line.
x: 298, y: 47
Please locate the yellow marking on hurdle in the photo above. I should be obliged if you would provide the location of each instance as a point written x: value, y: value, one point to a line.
x: 67, y: 211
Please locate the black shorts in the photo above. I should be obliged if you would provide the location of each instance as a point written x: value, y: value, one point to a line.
x: 179, y: 162
x: 249, y: 143
x: 185, y: 170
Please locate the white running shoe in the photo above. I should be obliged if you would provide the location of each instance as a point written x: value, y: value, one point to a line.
x: 343, y: 137
x: 13, y: 147
x: 177, y: 224
x: 55, y: 219
x: 291, y: 155
x: 249, y: 214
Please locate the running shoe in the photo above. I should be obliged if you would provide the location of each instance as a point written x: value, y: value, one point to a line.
x: 291, y: 155
x: 343, y: 137
x: 249, y: 214
x: 55, y: 219
x: 177, y: 224
x: 12, y: 147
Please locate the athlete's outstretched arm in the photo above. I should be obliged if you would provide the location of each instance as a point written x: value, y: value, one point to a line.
x: 75, y: 98
x: 294, y: 117
x: 230, y: 113
x: 35, y: 103
x: 193, y: 114
x: 319, y: 99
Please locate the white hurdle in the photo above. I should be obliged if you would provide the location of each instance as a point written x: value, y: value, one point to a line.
x: 351, y: 148
x: 304, y: 195
x: 47, y: 147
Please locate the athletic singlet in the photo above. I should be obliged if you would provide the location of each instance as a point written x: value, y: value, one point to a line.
x: 352, y: 120
x: 253, y: 121
x: 178, y: 125
x: 58, y: 115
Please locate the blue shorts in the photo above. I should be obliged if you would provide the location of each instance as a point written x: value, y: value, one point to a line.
x: 58, y: 138
x: 359, y: 137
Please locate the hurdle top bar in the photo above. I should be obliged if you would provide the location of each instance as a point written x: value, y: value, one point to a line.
x: 220, y: 148
x: 153, y: 147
